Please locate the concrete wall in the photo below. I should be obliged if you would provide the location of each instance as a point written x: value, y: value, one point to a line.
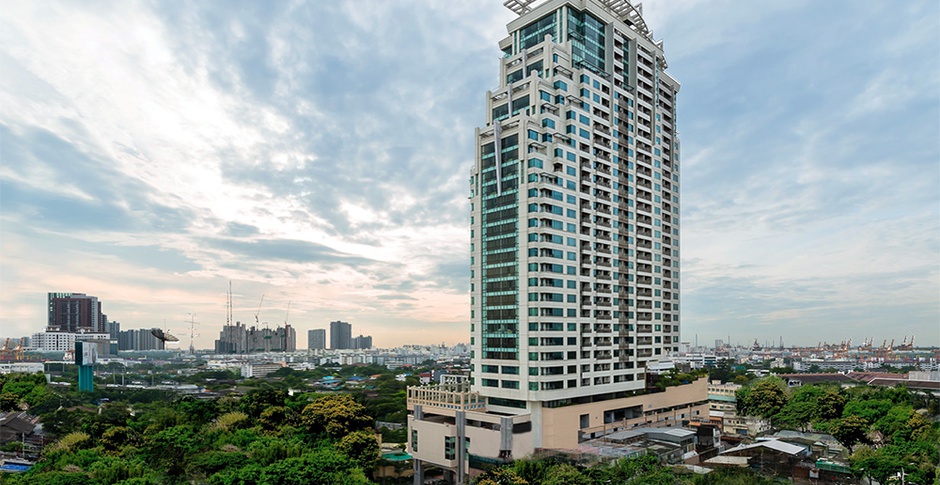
x: 484, y: 440
x: 431, y: 441
x: 561, y: 426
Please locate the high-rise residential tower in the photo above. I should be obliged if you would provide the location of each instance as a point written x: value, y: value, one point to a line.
x: 340, y: 335
x: 316, y: 339
x: 74, y: 312
x: 575, y: 209
x: 574, y: 246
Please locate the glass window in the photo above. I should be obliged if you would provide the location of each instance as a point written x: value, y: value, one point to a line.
x: 535, y: 32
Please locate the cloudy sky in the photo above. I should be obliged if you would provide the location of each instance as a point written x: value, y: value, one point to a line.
x: 318, y: 153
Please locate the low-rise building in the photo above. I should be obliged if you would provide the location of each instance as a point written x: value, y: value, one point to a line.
x: 65, y: 341
x: 25, y: 367
x: 449, y: 421
x: 260, y: 369
x: 723, y: 409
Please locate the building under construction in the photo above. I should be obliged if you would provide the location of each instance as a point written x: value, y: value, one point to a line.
x: 239, y: 339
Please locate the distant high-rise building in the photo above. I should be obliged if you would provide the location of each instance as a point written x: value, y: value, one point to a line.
x: 139, y: 339
x: 74, y: 312
x: 340, y: 335
x: 233, y: 339
x: 288, y: 338
x: 237, y: 339
x: 362, y: 342
x: 316, y: 339
x: 113, y: 329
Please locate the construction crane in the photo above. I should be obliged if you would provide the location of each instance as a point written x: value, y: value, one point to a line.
x: 258, y: 313
x: 266, y: 333
x: 907, y: 346
x: 19, y: 352
x: 5, y: 350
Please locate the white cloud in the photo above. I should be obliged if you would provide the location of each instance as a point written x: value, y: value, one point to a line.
x: 318, y: 153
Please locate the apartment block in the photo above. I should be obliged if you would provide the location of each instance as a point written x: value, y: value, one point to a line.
x: 574, y: 196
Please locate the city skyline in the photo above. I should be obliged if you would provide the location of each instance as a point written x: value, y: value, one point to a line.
x: 319, y: 155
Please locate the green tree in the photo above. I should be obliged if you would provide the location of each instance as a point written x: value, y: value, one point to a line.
x: 661, y: 477
x: 274, y: 417
x: 362, y: 448
x: 625, y: 470
x: 766, y: 398
x: 59, y: 478
x: 115, y: 438
x: 9, y: 402
x: 232, y: 421
x: 114, y: 469
x: 108, y: 415
x: 534, y: 471
x: 499, y: 476
x: 830, y: 405
x: 212, y: 462
x: 896, y: 424
x: 734, y: 476
x: 868, y: 409
x: 172, y: 447
x: 874, y: 464
x: 198, y: 411
x: 62, y: 421
x: 72, y: 441
x: 336, y: 416
x: 321, y: 466
x: 565, y: 474
x: 850, y: 431
x: 795, y: 415
x: 256, y: 401
x: 29, y: 388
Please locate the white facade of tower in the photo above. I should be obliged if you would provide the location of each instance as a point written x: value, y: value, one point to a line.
x: 575, y: 246
x: 575, y: 210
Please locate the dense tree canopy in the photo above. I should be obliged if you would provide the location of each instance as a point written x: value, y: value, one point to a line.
x: 335, y: 416
x: 896, y: 433
x: 142, y: 437
x: 765, y: 399
x: 259, y: 438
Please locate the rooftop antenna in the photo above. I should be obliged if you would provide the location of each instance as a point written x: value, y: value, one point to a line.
x: 228, y: 304
x: 192, y: 333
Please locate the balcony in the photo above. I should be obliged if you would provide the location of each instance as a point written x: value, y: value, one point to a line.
x: 455, y: 397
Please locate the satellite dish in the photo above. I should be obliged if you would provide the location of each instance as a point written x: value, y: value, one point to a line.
x: 163, y: 336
